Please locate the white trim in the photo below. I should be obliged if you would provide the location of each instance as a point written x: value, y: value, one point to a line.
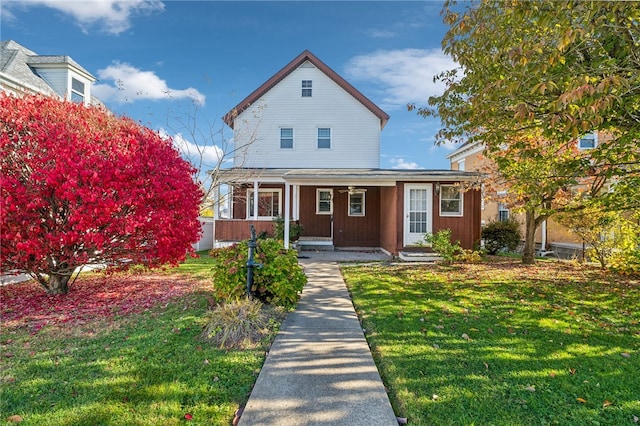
x: 364, y: 203
x: 251, y: 194
x: 452, y: 214
x: 330, y: 191
x: 412, y: 238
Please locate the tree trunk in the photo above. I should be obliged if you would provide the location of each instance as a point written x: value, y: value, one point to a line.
x: 58, y: 284
x: 528, y: 255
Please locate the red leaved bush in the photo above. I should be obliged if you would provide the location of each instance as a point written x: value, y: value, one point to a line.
x: 80, y: 185
x: 25, y: 304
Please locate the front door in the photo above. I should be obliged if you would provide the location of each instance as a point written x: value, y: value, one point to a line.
x: 418, y: 206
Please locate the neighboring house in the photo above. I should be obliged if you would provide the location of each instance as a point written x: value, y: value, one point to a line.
x: 552, y: 238
x: 22, y: 71
x: 307, y: 143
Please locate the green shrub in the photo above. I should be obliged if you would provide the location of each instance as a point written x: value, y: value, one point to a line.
x: 442, y: 244
x: 295, y: 229
x: 278, y: 282
x: 241, y: 324
x: 468, y: 256
x: 501, y: 235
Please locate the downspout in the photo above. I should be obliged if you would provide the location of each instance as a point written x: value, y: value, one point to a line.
x: 543, y: 232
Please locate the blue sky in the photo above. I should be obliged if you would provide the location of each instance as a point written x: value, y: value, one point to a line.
x: 156, y: 60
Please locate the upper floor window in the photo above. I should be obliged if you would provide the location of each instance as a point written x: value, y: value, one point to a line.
x: 324, y: 137
x: 306, y: 88
x: 268, y: 203
x: 461, y: 165
x: 356, y: 203
x: 450, y: 200
x: 286, y: 138
x: 588, y: 141
x: 324, y: 201
x: 77, y: 90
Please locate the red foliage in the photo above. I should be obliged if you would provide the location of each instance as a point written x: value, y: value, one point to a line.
x: 80, y: 185
x: 26, y: 304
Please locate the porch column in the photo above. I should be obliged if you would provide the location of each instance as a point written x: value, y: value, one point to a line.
x: 296, y: 202
x: 287, y: 215
x: 216, y: 213
x: 255, y: 200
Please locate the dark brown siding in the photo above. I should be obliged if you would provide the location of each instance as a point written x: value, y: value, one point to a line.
x: 389, y: 219
x: 466, y: 229
x: 315, y: 225
x: 238, y: 230
x: 356, y: 231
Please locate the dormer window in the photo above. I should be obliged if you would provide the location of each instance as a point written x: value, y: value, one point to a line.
x: 588, y: 141
x: 306, y: 88
x: 77, y: 91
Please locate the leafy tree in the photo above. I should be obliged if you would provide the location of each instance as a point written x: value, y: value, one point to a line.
x: 546, y: 71
x: 82, y: 186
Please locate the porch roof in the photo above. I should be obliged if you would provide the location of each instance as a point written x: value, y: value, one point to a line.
x: 341, y: 177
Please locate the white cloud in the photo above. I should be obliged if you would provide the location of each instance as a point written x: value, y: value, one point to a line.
x: 401, y: 163
x: 208, y: 156
x: 130, y: 84
x: 380, y: 33
x: 404, y: 76
x: 113, y: 16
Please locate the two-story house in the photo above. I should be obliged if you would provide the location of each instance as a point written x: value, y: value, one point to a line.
x: 307, y: 148
x: 552, y: 238
x: 22, y: 71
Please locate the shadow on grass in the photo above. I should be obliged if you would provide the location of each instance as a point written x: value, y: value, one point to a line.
x: 146, y: 369
x: 492, y: 344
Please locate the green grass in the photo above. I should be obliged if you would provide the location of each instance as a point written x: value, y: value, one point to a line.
x: 502, y: 343
x: 147, y: 368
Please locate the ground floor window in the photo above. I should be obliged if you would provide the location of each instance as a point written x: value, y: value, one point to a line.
x: 269, y: 203
x: 356, y: 204
x: 324, y: 201
x: 450, y: 200
x: 503, y: 212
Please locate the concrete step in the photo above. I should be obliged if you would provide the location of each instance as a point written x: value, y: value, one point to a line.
x: 412, y: 256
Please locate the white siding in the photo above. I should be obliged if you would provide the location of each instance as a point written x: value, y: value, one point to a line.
x: 57, y: 79
x: 355, y: 131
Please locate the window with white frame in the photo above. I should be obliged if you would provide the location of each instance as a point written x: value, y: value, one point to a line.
x: 503, y: 212
x: 324, y: 138
x: 269, y: 203
x: 450, y: 200
x: 286, y: 138
x: 461, y: 165
x: 306, y: 88
x: 324, y: 201
x: 588, y: 141
x: 356, y: 203
x: 77, y: 91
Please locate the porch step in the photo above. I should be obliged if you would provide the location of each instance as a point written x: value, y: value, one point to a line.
x: 315, y: 243
x: 414, y: 256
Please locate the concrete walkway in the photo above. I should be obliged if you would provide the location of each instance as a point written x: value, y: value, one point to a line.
x: 319, y: 370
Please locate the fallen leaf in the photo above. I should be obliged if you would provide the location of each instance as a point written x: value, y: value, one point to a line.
x: 625, y: 355
x: 188, y: 416
x: 572, y: 371
x: 436, y: 346
x: 14, y: 419
x: 635, y: 419
x: 486, y: 366
x: 552, y: 374
x: 582, y: 400
x: 465, y: 336
x: 531, y: 388
x: 606, y: 403
x: 434, y: 397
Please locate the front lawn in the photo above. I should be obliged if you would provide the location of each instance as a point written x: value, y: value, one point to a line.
x: 502, y: 343
x: 119, y: 350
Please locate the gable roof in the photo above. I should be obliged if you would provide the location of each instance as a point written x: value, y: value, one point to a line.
x: 288, y: 69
